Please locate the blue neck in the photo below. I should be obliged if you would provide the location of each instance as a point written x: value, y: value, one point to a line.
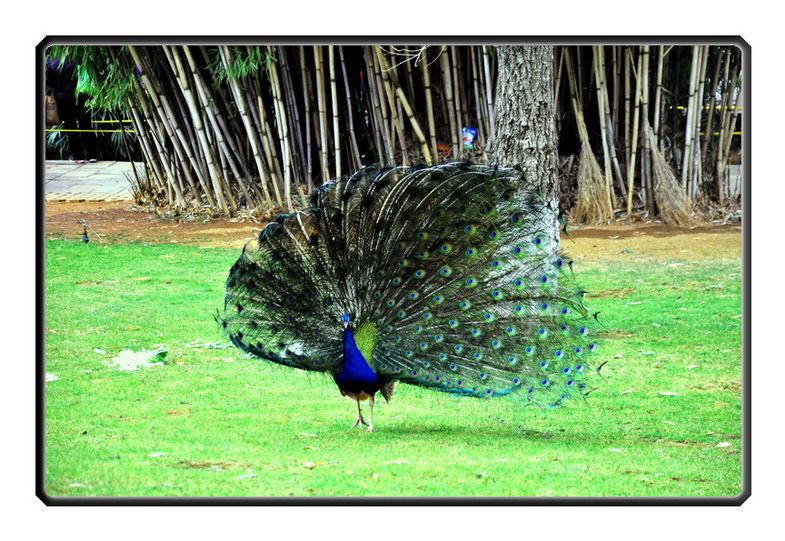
x: 355, y: 374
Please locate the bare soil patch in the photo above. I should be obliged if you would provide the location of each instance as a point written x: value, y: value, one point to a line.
x: 113, y: 222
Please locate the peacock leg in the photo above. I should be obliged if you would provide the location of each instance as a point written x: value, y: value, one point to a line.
x: 370, y: 403
x: 360, y: 421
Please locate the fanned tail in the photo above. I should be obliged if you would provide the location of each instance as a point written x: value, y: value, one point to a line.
x: 451, y: 271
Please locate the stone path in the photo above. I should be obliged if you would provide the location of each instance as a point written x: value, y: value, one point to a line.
x: 98, y: 181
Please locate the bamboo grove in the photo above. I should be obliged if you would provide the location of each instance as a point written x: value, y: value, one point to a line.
x: 643, y: 129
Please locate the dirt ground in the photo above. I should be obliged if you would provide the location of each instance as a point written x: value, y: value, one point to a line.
x: 112, y: 222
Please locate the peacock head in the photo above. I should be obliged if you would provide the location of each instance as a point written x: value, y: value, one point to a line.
x: 345, y: 318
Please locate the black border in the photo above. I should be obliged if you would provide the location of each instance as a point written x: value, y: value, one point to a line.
x: 40, y: 59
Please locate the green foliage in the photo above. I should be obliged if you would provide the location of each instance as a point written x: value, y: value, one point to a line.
x: 106, y: 74
x: 244, y: 61
x: 664, y: 421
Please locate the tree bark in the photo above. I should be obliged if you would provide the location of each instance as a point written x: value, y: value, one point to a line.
x: 525, y: 119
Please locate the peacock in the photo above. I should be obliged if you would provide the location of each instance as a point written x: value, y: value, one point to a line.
x: 447, y: 277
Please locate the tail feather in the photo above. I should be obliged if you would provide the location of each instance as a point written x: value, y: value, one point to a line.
x: 455, y: 267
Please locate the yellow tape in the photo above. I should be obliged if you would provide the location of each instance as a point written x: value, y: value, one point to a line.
x: 91, y: 131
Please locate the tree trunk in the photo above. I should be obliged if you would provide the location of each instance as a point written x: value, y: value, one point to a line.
x: 525, y: 118
x: 526, y: 122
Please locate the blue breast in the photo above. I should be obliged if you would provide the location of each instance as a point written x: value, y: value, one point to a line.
x: 355, y: 375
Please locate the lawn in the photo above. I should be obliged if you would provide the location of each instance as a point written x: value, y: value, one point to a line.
x: 665, y: 420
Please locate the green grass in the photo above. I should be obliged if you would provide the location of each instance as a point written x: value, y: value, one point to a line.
x: 212, y: 422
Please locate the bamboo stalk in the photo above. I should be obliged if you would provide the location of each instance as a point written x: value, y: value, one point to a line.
x: 270, y: 152
x: 627, y: 113
x: 155, y: 95
x: 732, y: 127
x: 283, y: 126
x: 689, y: 130
x: 180, y: 144
x: 146, y: 143
x: 708, y: 132
x: 616, y: 91
x: 306, y: 80
x: 456, y: 86
x: 406, y: 106
x: 658, y: 89
x: 609, y: 148
x: 724, y: 112
x: 634, y: 138
x: 730, y: 113
x: 426, y: 75
x: 488, y: 95
x: 242, y: 107
x: 697, y: 161
x: 390, y: 95
x: 604, y: 127
x: 444, y: 61
x: 321, y: 102
x: 593, y: 203
x: 355, y: 150
x: 199, y: 128
x: 334, y: 96
x: 646, y: 157
x: 295, y: 134
x: 478, y: 104
x: 226, y: 145
x: 378, y: 109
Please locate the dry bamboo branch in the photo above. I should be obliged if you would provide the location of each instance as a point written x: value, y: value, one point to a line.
x: 407, y: 107
x: 593, y: 203
x: 388, y: 92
